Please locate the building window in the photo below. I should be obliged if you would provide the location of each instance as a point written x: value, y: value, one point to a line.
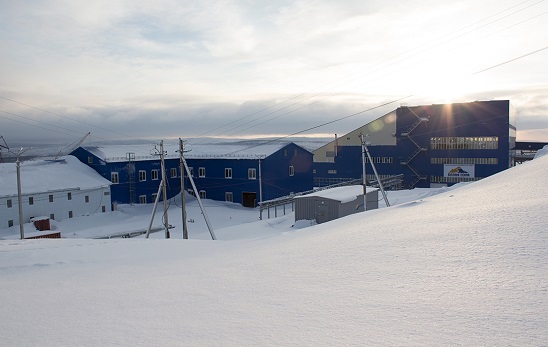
x: 481, y: 142
x: 291, y: 170
x: 154, y: 175
x: 90, y: 160
x: 106, y: 193
x: 252, y: 174
x: 154, y: 197
x: 285, y: 152
x: 201, y: 172
x: 202, y: 194
x: 142, y: 175
x: 86, y: 198
x: 228, y: 172
x: 191, y: 169
x: 52, y: 216
x: 332, y: 172
x: 229, y: 197
x: 191, y: 192
x: 295, y: 152
x: 51, y: 198
x: 69, y: 196
x: 10, y: 223
x: 8, y: 202
x: 70, y: 214
x: 103, y: 208
x: 114, y: 177
x: 31, y: 200
x: 142, y: 199
x: 173, y: 172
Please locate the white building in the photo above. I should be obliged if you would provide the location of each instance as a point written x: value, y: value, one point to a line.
x: 58, y: 189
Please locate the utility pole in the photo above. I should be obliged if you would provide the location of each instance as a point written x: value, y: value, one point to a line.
x: 19, y: 198
x: 162, y: 153
x: 183, y: 207
x: 199, y: 201
x: 363, y: 174
x: 260, y: 191
x: 376, y: 175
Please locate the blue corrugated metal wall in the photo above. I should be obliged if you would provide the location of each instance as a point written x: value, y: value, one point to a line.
x: 476, y: 119
x: 275, y: 175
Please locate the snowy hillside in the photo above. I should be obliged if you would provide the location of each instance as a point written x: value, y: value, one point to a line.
x: 467, y: 267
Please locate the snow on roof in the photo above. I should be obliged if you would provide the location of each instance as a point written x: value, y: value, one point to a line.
x: 343, y: 194
x: 242, y: 149
x: 49, y: 175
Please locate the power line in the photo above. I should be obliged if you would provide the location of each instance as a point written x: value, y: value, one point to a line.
x: 403, y: 56
x: 66, y: 117
x: 511, y: 60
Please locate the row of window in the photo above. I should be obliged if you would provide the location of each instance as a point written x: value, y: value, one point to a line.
x: 442, y: 179
x: 481, y: 161
x: 154, y: 174
x: 378, y: 160
x: 251, y: 174
x: 9, y: 202
x: 52, y: 216
x: 482, y: 142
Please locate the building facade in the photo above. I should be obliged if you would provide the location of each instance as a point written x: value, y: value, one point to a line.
x: 234, y: 172
x: 59, y: 190
x: 433, y: 145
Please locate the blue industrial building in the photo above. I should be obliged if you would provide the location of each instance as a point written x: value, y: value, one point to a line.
x: 432, y: 146
x: 230, y: 171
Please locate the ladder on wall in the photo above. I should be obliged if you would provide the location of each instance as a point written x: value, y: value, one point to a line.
x: 131, y: 175
x: 418, y: 149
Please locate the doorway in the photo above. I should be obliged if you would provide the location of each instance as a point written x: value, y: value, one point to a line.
x: 249, y: 199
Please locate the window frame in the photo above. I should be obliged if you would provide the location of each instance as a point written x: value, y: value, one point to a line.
x: 9, y: 203
x: 291, y: 170
x: 252, y: 176
x: 154, y: 174
x: 142, y: 175
x: 114, y: 177
x: 173, y: 172
x: 229, y: 197
x: 142, y: 199
x: 228, y: 172
x: 201, y: 172
x: 203, y: 194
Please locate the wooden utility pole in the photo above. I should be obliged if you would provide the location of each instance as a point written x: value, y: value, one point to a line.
x: 162, y: 153
x: 363, y: 174
x: 19, y: 199
x: 183, y: 207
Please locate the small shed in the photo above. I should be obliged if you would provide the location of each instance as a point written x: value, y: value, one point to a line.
x: 330, y: 204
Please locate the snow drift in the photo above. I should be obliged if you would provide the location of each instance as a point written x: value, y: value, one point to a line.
x: 466, y: 267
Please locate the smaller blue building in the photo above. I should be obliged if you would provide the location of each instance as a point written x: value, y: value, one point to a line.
x: 225, y: 171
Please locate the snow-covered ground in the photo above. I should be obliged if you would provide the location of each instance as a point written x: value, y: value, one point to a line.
x: 465, y: 267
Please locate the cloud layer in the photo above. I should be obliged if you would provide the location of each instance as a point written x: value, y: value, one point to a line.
x: 171, y: 68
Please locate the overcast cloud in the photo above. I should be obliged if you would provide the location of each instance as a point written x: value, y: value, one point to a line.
x: 161, y: 69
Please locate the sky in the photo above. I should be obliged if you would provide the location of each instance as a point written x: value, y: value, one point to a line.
x: 465, y: 267
x: 168, y: 69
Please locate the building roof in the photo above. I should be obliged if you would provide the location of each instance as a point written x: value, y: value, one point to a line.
x: 41, y: 176
x: 343, y: 194
x: 247, y: 149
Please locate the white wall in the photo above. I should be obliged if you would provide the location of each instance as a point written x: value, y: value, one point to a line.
x: 60, y: 207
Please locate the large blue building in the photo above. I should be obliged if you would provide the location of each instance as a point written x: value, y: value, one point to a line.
x: 228, y: 171
x: 432, y: 146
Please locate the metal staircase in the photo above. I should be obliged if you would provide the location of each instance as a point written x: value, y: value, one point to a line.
x: 418, y: 150
x: 131, y: 176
